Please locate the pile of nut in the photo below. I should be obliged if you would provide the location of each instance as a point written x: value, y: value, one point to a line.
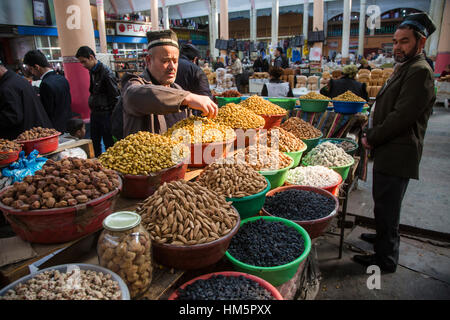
x: 9, y: 146
x: 230, y: 94
x: 260, y: 158
x: 287, y: 142
x: 232, y: 180
x: 187, y: 213
x: 349, y: 96
x: 36, y: 133
x: 127, y: 253
x: 143, y: 153
x: 73, y: 285
x: 313, y: 176
x: 312, y: 95
x: 59, y: 184
x: 301, y: 129
x: 329, y: 155
x: 200, y: 130
x: 346, y: 145
x: 262, y: 107
x: 238, y: 117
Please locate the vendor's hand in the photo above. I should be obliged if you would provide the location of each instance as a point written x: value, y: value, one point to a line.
x: 365, y: 144
x: 203, y: 103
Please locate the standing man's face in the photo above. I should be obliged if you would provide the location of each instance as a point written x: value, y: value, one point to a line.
x: 405, y: 45
x: 162, y: 63
x: 88, y: 63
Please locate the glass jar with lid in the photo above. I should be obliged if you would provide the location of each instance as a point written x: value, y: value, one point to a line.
x: 124, y: 247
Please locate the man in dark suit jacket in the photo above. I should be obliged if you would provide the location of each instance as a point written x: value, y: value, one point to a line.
x: 20, y: 107
x: 54, y: 89
x: 402, y: 109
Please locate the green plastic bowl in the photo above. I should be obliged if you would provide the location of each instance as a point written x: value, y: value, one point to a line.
x: 279, y: 274
x: 343, y: 171
x: 285, y: 103
x: 277, y: 177
x: 311, y: 143
x: 296, y: 155
x: 338, y: 140
x: 251, y: 205
x: 312, y: 105
x: 225, y: 100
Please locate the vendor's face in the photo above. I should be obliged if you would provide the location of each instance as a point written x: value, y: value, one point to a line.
x: 405, y: 45
x: 88, y: 63
x: 162, y: 63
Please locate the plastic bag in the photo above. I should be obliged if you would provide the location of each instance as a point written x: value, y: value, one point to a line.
x: 25, y: 166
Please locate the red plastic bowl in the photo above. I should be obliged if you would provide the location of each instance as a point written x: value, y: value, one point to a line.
x: 61, y: 224
x: 200, y: 159
x: 315, y: 228
x: 272, y: 120
x: 43, y: 145
x: 333, y: 189
x: 9, y: 157
x: 141, y: 187
x: 195, y: 256
x: 266, y: 285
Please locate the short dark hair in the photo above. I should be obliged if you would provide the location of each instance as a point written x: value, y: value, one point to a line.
x: 73, y: 125
x: 190, y: 51
x: 84, y: 52
x: 280, y: 49
x: 34, y: 57
x: 417, y: 34
x: 276, y: 72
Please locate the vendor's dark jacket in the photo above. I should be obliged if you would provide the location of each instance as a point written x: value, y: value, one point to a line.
x: 103, y: 89
x: 20, y: 107
x: 403, y: 107
x: 339, y: 86
x: 192, y: 78
x: 55, y: 96
x: 149, y: 106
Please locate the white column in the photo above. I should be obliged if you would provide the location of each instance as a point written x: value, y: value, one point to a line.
x: 166, y: 18
x: 305, y: 19
x: 101, y: 26
x: 253, y: 20
x: 224, y: 19
x: 433, y: 41
x: 154, y: 15
x: 275, y: 16
x: 213, y: 28
x: 362, y: 26
x: 346, y: 29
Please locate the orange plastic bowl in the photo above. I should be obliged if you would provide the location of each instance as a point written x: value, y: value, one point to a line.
x: 266, y: 285
x: 203, y: 154
x: 9, y: 157
x: 272, y: 120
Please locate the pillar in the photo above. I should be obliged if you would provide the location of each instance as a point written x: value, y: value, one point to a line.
x: 443, y: 52
x: 101, y: 26
x: 275, y: 17
x: 318, y: 20
x: 437, y: 13
x: 305, y: 19
x: 75, y: 29
x: 362, y: 27
x: 154, y: 15
x: 253, y: 24
x: 166, y: 18
x: 213, y: 28
x: 224, y: 19
x: 346, y: 30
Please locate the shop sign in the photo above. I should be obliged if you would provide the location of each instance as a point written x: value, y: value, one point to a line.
x: 132, y: 29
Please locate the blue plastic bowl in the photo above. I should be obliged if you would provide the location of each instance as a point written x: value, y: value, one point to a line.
x: 348, y: 107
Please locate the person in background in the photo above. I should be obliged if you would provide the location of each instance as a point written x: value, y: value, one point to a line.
x: 347, y: 82
x: 446, y: 72
x: 189, y: 75
x: 218, y: 64
x: 54, y: 90
x: 280, y: 60
x: 76, y: 130
x: 395, y: 136
x: 103, y: 98
x: 153, y: 101
x: 364, y: 65
x: 260, y: 64
x: 236, y: 69
x: 20, y: 107
x: 276, y: 87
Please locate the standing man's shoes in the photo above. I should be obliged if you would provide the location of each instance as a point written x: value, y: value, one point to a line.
x: 369, y: 260
x: 369, y: 237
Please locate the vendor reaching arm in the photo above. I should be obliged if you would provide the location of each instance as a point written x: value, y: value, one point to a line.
x: 153, y: 101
